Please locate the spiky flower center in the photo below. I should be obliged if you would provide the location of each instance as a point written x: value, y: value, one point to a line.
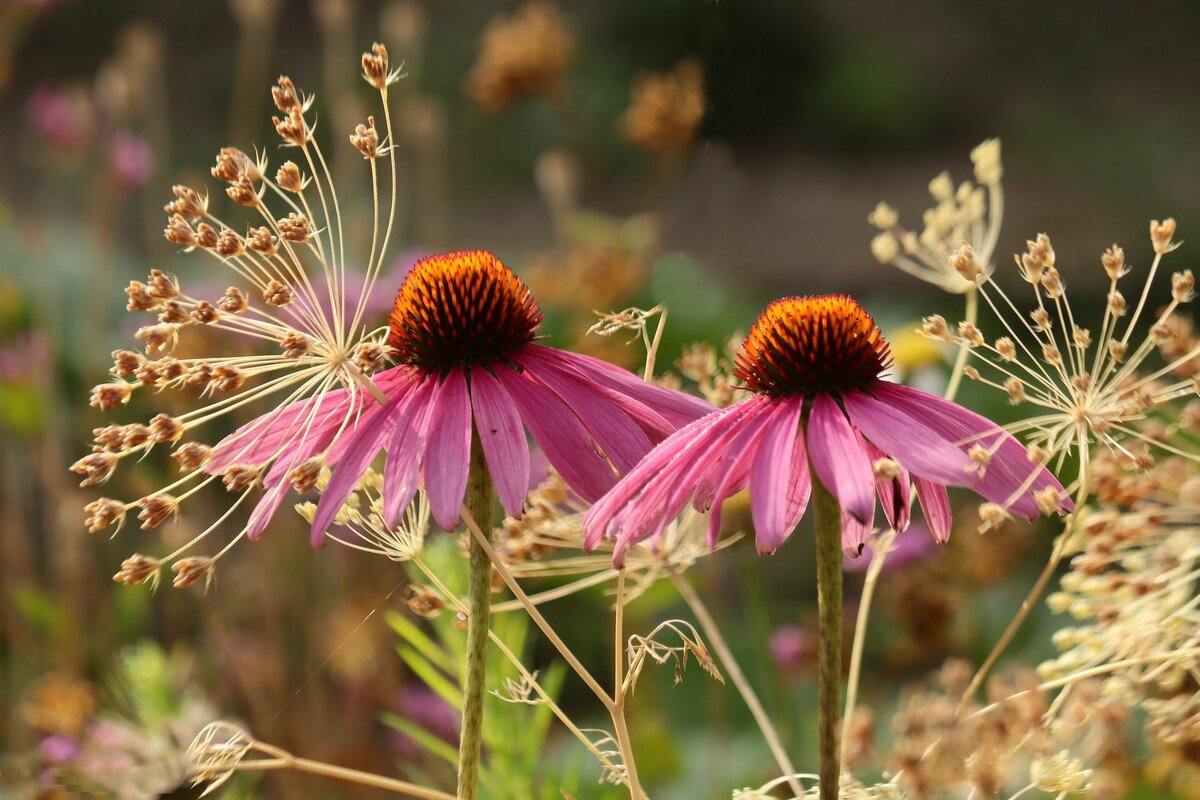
x: 459, y: 310
x: 812, y: 345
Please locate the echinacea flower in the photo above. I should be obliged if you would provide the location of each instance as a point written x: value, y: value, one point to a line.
x: 814, y: 366
x: 463, y: 329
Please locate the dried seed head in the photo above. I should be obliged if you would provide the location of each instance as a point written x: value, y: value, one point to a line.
x: 179, y: 232
x: 126, y: 362
x: 261, y: 240
x: 294, y: 228
x: 935, y: 327
x: 375, y: 67
x: 206, y: 236
x: 1016, y: 391
x: 102, y: 512
x: 232, y: 164
x: 885, y: 247
x: 191, y: 569
x: 1160, y: 332
x: 134, y: 435
x: 366, y: 138
x: 1082, y: 337
x: 288, y: 177
x: 95, y: 467
x: 292, y: 128
x: 886, y: 469
x: 1038, y: 454
x: 1052, y: 283
x: 173, y: 313
x: 277, y: 294
x: 240, y: 477
x: 1160, y: 235
x: 1116, y: 303
x: 370, y: 357
x: 188, y: 203
x: 295, y: 344
x: 1006, y: 349
x: 1038, y: 257
x: 980, y: 455
x: 241, y: 191
x: 1051, y: 354
x: 137, y: 569
x: 233, y: 301
x: 971, y: 373
x: 1113, y: 261
x: 205, y: 313
x: 1117, y: 351
x: 1041, y: 319
x: 424, y: 601
x: 963, y: 262
x: 970, y: 334
x: 158, y: 338
x: 284, y: 94
x: 165, y: 429
x: 1183, y: 286
x: 304, y: 477
x: 226, y: 378
x: 1082, y: 381
x: 986, y: 158
x: 884, y: 217
x: 191, y: 455
x: 199, y: 374
x: 108, y: 396
x: 162, y: 285
x: 991, y: 516
x: 110, y: 438
x: 229, y: 244
x: 156, y: 508
x: 140, y: 298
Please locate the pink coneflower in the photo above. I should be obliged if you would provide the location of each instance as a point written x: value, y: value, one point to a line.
x: 463, y: 329
x: 814, y: 366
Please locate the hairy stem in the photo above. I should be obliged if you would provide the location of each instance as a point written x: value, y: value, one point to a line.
x: 828, y: 521
x: 480, y: 499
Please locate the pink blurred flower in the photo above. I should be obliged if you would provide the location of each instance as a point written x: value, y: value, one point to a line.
x: 63, y: 118
x: 131, y: 160
x: 814, y: 365
x: 792, y: 647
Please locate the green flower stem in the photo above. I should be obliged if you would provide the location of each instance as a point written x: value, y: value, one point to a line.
x: 828, y: 522
x: 480, y: 501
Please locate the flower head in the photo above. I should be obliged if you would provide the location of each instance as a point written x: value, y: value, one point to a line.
x: 463, y: 329
x: 814, y: 366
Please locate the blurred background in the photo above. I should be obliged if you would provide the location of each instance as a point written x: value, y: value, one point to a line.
x: 710, y: 156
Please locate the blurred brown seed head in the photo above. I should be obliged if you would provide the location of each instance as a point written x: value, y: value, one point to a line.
x: 665, y: 109
x: 521, y: 56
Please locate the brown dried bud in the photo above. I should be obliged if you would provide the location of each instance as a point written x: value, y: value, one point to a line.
x: 206, y: 236
x: 233, y: 301
x: 226, y: 378
x: 262, y: 240
x: 191, y: 455
x: 102, y: 512
x: 295, y: 344
x: 1051, y: 354
x: 970, y: 334
x: 173, y: 313
x: 277, y: 294
x: 95, y: 467
x: 240, y: 477
x: 134, y: 435
x: 1052, y: 283
x: 179, y: 232
x: 126, y: 362
x: 1016, y: 391
x: 1113, y: 261
x: 304, y: 477
x: 375, y: 67
x: 110, y: 438
x: 1082, y: 381
x: 424, y: 601
x: 1041, y: 319
x: 165, y: 428
x: 284, y: 94
x: 108, y: 396
x: 1117, y: 350
x: 140, y: 298
x: 205, y: 313
x: 963, y: 262
x: 1082, y: 337
x: 191, y: 569
x: 294, y: 228
x: 288, y: 177
x: 168, y: 369
x: 1116, y: 303
x: 292, y: 128
x: 1160, y: 235
x: 366, y: 138
x: 156, y: 508
x: 971, y: 373
x: 242, y: 192
x: 370, y: 357
x: 1006, y: 349
x: 1160, y: 332
x: 188, y: 203
x: 199, y: 374
x: 935, y: 327
x: 162, y: 285
x: 137, y: 569
x: 233, y: 164
x: 1183, y: 286
x: 229, y: 244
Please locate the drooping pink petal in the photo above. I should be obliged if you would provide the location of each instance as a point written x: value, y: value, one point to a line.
x: 839, y: 460
x: 895, y: 494
x: 733, y: 471
x: 1004, y: 481
x: 855, y: 534
x: 448, y: 456
x: 567, y: 444
x: 503, y: 437
x: 677, y: 408
x: 405, y: 448
x: 622, y: 440
x: 800, y: 484
x: 770, y: 476
x: 922, y: 450
x: 936, y: 506
x: 362, y: 445
x: 263, y: 438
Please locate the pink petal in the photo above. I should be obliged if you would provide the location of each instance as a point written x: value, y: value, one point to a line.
x: 733, y: 472
x: 936, y: 506
x: 448, y: 457
x: 839, y: 460
x: 895, y: 495
x: 567, y: 444
x: 800, y: 483
x: 771, y: 479
x: 855, y: 535
x: 914, y: 444
x: 262, y: 438
x: 619, y: 436
x: 503, y: 437
x: 405, y: 449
